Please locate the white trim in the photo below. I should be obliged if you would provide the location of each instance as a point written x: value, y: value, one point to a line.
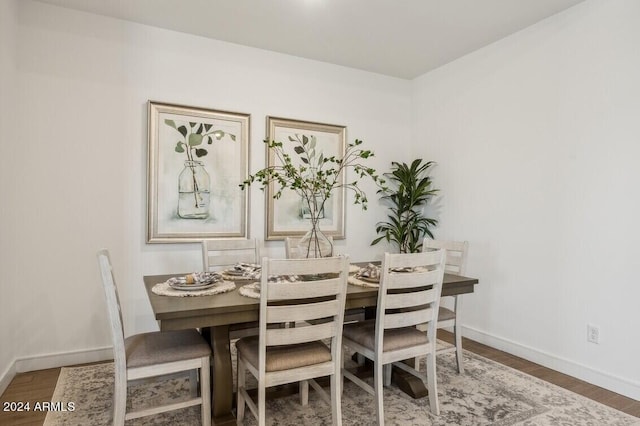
x: 621, y: 385
x: 61, y: 359
x: 7, y: 376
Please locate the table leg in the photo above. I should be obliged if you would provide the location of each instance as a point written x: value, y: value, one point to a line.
x: 222, y: 375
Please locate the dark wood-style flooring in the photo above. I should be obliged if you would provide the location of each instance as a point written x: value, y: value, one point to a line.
x: 38, y: 386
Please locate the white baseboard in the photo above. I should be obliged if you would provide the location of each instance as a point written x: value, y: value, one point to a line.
x: 621, y: 385
x: 61, y: 359
x: 54, y: 360
x: 7, y: 377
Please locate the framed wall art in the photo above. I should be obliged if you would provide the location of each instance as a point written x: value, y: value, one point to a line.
x: 197, y: 159
x: 288, y: 216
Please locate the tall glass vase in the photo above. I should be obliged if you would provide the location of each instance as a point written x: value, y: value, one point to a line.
x: 315, y: 243
x: 193, y: 190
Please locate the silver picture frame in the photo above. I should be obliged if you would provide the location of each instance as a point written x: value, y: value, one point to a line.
x: 286, y: 215
x: 197, y: 158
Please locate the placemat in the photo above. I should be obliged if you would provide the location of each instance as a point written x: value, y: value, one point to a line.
x: 354, y: 281
x: 164, y: 289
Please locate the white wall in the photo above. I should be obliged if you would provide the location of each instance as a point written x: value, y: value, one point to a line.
x: 83, y: 84
x: 535, y: 136
x: 538, y: 141
x: 8, y: 11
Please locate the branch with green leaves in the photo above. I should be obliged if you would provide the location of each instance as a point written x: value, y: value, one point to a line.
x: 194, y: 135
x: 316, y: 175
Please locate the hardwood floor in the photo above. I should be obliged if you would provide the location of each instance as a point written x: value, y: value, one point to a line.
x: 38, y: 386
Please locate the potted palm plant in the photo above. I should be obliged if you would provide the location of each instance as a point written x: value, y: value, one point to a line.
x: 409, y: 190
x: 314, y: 176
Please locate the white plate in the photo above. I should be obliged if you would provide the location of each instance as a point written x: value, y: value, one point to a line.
x: 369, y: 280
x: 191, y: 287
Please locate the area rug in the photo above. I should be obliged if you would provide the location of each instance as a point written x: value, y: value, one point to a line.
x: 487, y: 394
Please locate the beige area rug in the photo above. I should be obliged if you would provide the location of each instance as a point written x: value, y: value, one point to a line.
x: 487, y: 394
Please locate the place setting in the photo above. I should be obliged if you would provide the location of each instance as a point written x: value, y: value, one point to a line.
x: 194, y: 284
x: 367, y: 276
x: 253, y: 289
x: 242, y: 272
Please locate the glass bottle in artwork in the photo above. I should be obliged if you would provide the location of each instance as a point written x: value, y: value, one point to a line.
x: 194, y: 192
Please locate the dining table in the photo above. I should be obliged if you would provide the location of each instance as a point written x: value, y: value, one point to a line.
x: 216, y: 315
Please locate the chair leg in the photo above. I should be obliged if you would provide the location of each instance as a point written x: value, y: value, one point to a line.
x: 387, y: 374
x: 205, y: 392
x: 262, y: 408
x: 458, y: 338
x: 119, y: 399
x: 336, y: 393
x: 379, y: 391
x: 240, y: 381
x: 303, y: 386
x: 432, y: 384
x: 342, y: 353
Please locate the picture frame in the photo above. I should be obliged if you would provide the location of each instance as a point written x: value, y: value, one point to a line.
x: 286, y: 215
x: 197, y: 158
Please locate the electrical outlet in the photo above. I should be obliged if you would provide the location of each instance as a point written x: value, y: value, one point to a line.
x: 593, y: 334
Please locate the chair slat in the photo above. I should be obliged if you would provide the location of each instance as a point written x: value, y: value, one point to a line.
x: 406, y: 319
x: 303, y: 289
x: 309, y: 311
x: 414, y: 260
x: 416, y: 298
x: 305, y: 266
x: 231, y: 258
x: 410, y: 280
x: 217, y: 254
x: 292, y: 336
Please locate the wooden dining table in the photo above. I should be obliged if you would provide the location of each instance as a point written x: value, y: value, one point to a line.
x: 216, y: 314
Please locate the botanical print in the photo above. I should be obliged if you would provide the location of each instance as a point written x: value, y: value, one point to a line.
x: 197, y: 160
x: 289, y: 215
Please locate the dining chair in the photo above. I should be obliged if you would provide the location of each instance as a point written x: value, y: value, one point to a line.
x: 293, y: 252
x: 409, y: 294
x: 221, y: 254
x: 313, y: 349
x: 455, y: 263
x: 218, y: 254
x: 153, y: 354
x: 291, y: 249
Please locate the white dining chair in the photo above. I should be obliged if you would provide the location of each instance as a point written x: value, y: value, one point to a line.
x: 153, y: 354
x: 219, y: 254
x: 313, y: 349
x: 450, y: 317
x: 409, y: 294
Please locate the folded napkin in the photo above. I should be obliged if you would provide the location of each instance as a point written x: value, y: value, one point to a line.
x: 241, y: 270
x: 195, y: 278
x: 370, y: 272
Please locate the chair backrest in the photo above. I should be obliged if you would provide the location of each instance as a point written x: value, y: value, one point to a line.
x: 291, y: 249
x: 456, y: 253
x: 114, y: 310
x: 217, y: 254
x: 317, y: 304
x: 408, y: 298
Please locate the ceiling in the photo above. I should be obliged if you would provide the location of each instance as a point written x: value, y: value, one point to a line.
x: 400, y: 38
